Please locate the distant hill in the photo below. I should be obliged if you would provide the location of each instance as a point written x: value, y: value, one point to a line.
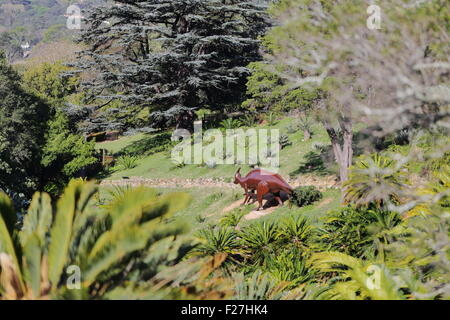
x: 26, y: 23
x: 51, y: 52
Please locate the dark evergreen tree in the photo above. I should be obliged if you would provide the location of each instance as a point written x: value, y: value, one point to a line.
x: 172, y: 55
x: 23, y: 120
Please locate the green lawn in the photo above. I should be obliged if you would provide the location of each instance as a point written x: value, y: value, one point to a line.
x: 208, y: 203
x: 331, y: 200
x: 159, y: 165
x: 206, y: 206
x: 116, y: 146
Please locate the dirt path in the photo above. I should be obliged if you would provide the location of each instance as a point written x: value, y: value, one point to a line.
x: 258, y: 214
x: 321, y: 183
x: 253, y: 214
x: 233, y: 206
x: 170, y: 183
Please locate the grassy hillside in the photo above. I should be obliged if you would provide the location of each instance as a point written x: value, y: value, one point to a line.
x: 209, y: 205
x: 302, y: 157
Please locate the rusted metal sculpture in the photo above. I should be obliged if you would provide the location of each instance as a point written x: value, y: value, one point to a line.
x: 263, y: 182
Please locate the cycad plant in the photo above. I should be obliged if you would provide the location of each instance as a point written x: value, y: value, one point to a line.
x: 284, y: 141
x: 259, y: 287
x: 359, y: 232
x: 258, y: 241
x: 290, y: 266
x: 375, y: 179
x: 109, y: 249
x: 221, y: 240
x: 249, y: 120
x: 357, y: 279
x: 435, y: 196
x: 423, y: 252
x: 232, y: 219
x: 127, y: 162
x: 295, y: 231
x: 305, y: 124
x: 230, y: 123
x: 116, y: 193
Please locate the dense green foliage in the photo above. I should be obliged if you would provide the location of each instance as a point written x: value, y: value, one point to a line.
x: 353, y: 231
x: 49, y: 82
x: 66, y: 153
x: 269, y: 91
x: 40, y: 148
x: 23, y: 118
x: 100, y: 242
x: 304, y: 196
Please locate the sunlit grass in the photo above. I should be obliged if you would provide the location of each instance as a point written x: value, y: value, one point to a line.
x: 159, y: 165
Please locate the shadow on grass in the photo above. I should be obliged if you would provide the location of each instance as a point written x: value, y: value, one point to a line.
x: 321, y: 161
x: 316, y: 163
x: 148, y: 145
x: 366, y: 141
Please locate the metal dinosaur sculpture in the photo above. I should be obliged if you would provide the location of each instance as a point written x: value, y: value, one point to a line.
x: 263, y: 182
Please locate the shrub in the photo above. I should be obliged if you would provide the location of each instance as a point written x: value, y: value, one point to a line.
x: 295, y: 231
x: 290, y: 266
x: 303, y: 196
x: 249, y: 120
x: 127, y: 162
x: 258, y: 240
x: 211, y: 164
x: 216, y: 241
x: 375, y: 179
x: 284, y: 141
x: 232, y: 219
x: 271, y: 118
x: 178, y: 163
x: 230, y: 123
x: 355, y: 231
x: 293, y: 127
x: 199, y: 218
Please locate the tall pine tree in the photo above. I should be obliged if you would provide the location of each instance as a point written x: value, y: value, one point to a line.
x: 172, y: 55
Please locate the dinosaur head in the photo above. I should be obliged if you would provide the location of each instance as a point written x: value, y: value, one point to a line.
x: 237, y: 176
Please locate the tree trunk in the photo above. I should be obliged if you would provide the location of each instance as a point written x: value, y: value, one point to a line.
x: 185, y: 120
x: 342, y: 148
x: 306, y: 135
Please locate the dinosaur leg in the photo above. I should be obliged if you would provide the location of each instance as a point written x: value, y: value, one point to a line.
x: 253, y: 196
x: 277, y: 197
x: 262, y: 190
x: 246, y: 196
x: 245, y: 200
